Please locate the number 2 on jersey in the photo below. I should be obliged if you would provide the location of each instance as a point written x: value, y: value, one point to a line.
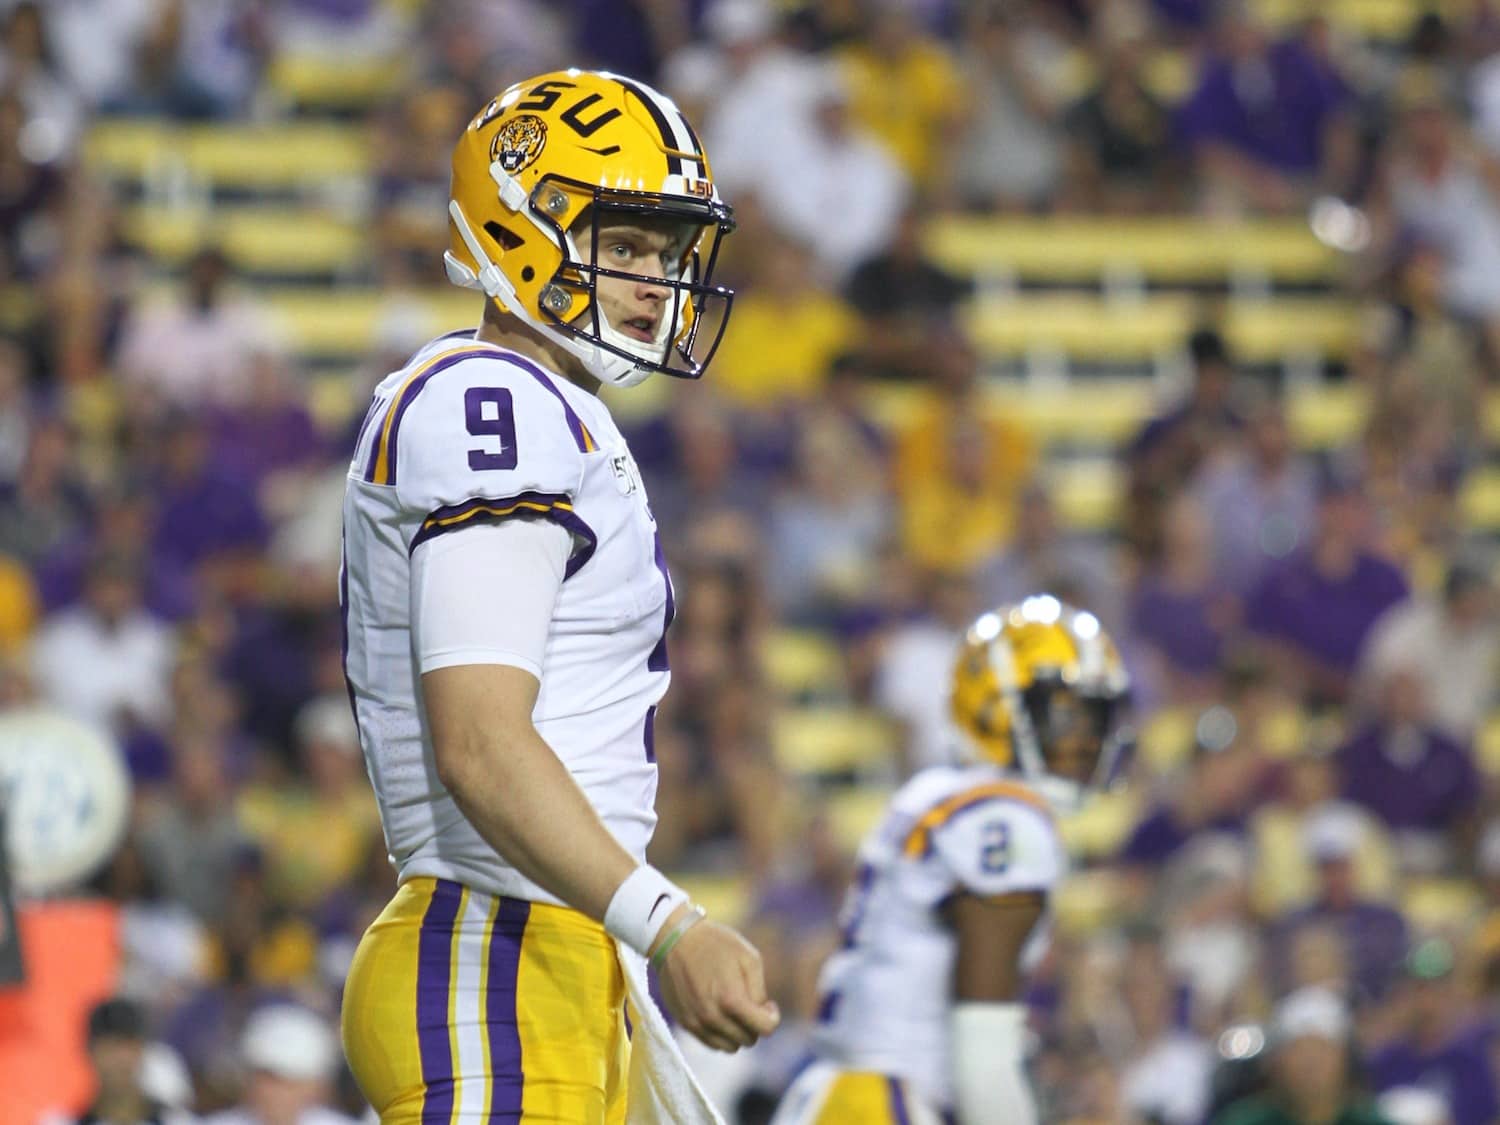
x: 994, y: 850
x: 489, y: 412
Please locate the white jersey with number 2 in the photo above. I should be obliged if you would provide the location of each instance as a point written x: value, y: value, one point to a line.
x: 887, y: 993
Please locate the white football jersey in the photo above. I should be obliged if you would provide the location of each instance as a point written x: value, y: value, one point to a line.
x: 468, y: 432
x: 886, y: 995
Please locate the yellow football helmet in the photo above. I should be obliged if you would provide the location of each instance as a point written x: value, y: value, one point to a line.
x: 1040, y: 687
x: 559, y: 154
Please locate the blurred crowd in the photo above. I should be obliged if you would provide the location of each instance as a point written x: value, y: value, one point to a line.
x: 1299, y: 889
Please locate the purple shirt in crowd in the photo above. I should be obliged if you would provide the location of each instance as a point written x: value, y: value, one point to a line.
x: 1180, y: 626
x: 1273, y: 110
x: 1324, y: 618
x: 1157, y: 837
x: 1459, y: 1071
x: 1375, y: 939
x: 1425, y: 786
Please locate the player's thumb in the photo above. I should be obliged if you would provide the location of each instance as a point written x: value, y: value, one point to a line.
x: 755, y: 990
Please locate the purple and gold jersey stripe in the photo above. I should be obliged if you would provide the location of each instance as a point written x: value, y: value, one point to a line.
x: 558, y: 509
x: 382, y: 466
x: 919, y: 840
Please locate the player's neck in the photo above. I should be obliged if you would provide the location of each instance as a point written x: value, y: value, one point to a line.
x: 516, y: 336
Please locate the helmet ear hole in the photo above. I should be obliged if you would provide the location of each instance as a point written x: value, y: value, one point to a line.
x: 507, y: 238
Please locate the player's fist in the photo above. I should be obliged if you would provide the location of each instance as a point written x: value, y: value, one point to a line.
x: 715, y: 986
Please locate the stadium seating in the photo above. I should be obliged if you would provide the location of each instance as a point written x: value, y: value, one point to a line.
x: 269, y: 159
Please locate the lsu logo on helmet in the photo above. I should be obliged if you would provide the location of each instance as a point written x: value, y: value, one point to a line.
x: 519, y: 141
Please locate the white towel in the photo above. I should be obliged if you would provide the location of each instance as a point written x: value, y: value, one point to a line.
x: 662, y: 1088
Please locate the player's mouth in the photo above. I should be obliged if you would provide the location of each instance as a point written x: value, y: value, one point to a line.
x: 641, y: 328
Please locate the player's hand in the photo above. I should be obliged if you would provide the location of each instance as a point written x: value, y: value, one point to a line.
x: 714, y: 985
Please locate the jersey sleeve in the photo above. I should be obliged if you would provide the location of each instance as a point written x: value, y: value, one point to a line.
x: 997, y: 846
x: 485, y: 442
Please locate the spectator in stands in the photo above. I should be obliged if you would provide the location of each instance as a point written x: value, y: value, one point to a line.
x: 1439, y: 186
x: 1183, y: 611
x: 32, y: 186
x: 1285, y: 873
x: 1260, y: 495
x: 785, y: 330
x: 117, y: 1044
x: 904, y: 88
x: 960, y: 466
x: 1221, y: 787
x: 914, y: 669
x: 314, y: 834
x: 49, y: 500
x: 835, y: 152
x: 219, y: 49
x: 1311, y: 1068
x: 196, y: 347
x: 15, y: 412
x: 1012, y: 154
x: 27, y: 66
x: 1040, y: 555
x: 1315, y: 609
x: 1120, y: 136
x: 1420, y: 782
x: 1374, y: 934
x: 900, y: 289
x: 1437, y: 1046
x: 825, y: 530
x: 291, y: 1055
x: 192, y: 843
x: 1169, y: 449
x: 1451, y: 643
x: 1165, y: 1077
x: 1267, y: 120
x: 106, y: 660
x: 108, y: 50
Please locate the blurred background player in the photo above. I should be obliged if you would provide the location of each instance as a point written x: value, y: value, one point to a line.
x: 921, y: 1009
x: 506, y: 603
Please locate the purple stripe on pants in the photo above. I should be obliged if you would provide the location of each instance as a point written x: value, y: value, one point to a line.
x: 898, y: 1102
x: 434, y: 974
x: 500, y: 1010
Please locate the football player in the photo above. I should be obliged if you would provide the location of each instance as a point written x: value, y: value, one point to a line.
x: 506, y: 603
x: 920, y: 1017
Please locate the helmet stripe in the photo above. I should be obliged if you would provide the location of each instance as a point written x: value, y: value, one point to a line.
x: 668, y: 119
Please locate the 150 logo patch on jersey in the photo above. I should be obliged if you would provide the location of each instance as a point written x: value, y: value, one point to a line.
x: 627, y: 477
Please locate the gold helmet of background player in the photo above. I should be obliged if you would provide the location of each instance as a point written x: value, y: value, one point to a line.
x: 535, y: 176
x: 1039, y: 687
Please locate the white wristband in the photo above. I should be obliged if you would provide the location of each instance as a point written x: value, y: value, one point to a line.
x: 641, y: 906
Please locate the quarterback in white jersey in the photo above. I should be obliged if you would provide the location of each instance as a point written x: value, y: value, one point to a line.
x: 920, y: 1018
x: 506, y: 601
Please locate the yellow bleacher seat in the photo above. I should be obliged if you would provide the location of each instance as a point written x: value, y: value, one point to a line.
x: 1370, y: 19
x: 318, y: 81
x: 1168, y: 73
x: 1166, y: 739
x: 1487, y: 745
x: 1168, y: 249
x: 1086, y: 901
x: 1437, y: 905
x: 802, y: 662
x: 1098, y: 413
x: 1325, y: 417
x: 1102, y: 824
x: 1091, y: 328
x: 855, y: 810
x: 1086, y: 494
x: 344, y: 322
x: 259, y: 239
x: 823, y: 740
x: 248, y: 156
x: 725, y: 897
x: 1479, y: 502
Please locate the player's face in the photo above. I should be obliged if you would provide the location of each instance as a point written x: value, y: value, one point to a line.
x: 642, y: 308
x: 1072, y: 737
